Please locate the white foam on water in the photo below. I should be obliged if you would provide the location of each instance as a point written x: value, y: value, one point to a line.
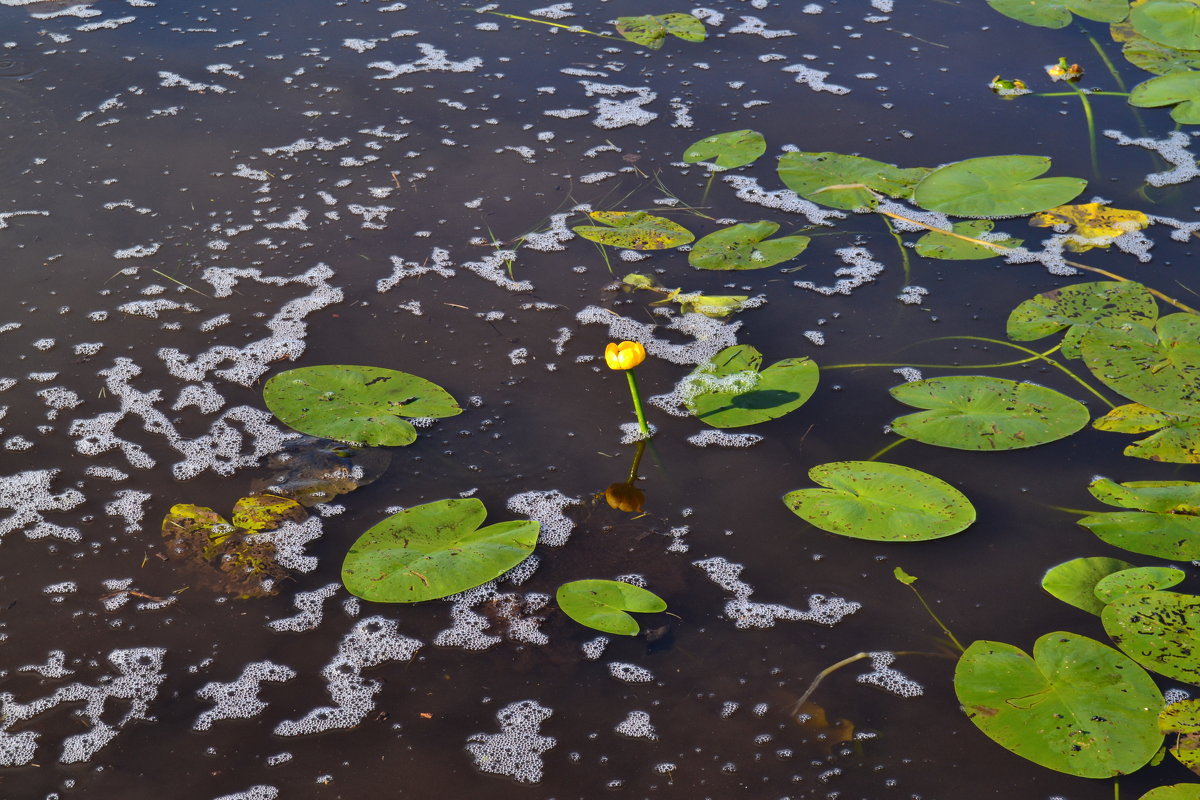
x: 756, y: 27
x: 630, y: 673
x: 55, y: 666
x: 594, y: 648
x: 128, y: 506
x: 289, y: 540
x: 311, y: 608
x: 257, y: 792
x: 637, y: 725
x: 746, y: 613
x: 861, y: 268
x: 438, y: 263
x: 547, y: 508
x: 432, y: 60
x: 889, y: 679
x: 748, y: 190
x: 239, y: 699
x: 710, y: 336
x: 815, y: 79
x: 611, y: 113
x: 711, y: 437
x: 28, y: 494
x: 516, y: 751
x: 1173, y: 149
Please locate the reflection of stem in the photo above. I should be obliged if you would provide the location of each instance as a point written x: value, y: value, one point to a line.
x: 637, y: 404
x: 637, y: 460
x: 903, y: 251
x: 712, y: 173
x: 1108, y: 64
x: 949, y: 366
x: 896, y: 443
x: 1091, y: 126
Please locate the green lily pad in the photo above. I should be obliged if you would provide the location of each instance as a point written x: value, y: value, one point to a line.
x: 881, y: 502
x: 363, y: 405
x: 727, y: 150
x: 1136, y: 580
x: 1182, y: 719
x: 1164, y: 522
x: 1152, y: 56
x: 995, y: 186
x: 951, y: 248
x: 602, y: 604
x: 1074, y: 582
x: 1158, y: 367
x: 1057, y: 13
x: 846, y: 182
x: 743, y: 247
x: 975, y: 412
x: 1174, y: 497
x: 1178, y: 791
x: 651, y: 29
x: 1079, y: 306
x: 1077, y: 706
x: 728, y: 391
x: 1177, y: 440
x: 434, y: 550
x: 1159, y: 630
x: 1179, y: 89
x: 1175, y: 23
x: 635, y: 230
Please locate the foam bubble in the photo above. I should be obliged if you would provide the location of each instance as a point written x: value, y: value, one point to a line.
x: 745, y: 613
x: 594, y: 648
x: 630, y: 673
x: 889, y: 679
x: 715, y: 438
x: 258, y: 792
x: 311, y: 606
x: 547, y: 508
x: 238, y: 699
x: 636, y: 725
x: 517, y: 750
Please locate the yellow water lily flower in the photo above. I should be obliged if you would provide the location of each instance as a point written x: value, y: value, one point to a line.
x: 625, y: 355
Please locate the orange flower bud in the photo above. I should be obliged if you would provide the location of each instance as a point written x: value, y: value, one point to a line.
x: 625, y: 355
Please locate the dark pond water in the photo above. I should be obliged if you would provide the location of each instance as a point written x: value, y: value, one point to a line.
x: 198, y: 196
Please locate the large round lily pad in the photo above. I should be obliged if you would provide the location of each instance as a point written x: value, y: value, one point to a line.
x: 995, y: 186
x: 846, y: 182
x: 434, y: 550
x: 975, y: 412
x: 727, y: 150
x: 881, y: 502
x: 602, y: 604
x: 728, y: 391
x: 745, y: 246
x: 1077, y: 706
x: 362, y: 405
x: 1179, y: 89
x: 1158, y: 367
x: 1159, y: 630
x: 1057, y: 13
x: 1079, y: 306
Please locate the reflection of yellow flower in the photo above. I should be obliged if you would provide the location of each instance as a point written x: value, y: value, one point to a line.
x: 625, y: 497
x: 625, y: 355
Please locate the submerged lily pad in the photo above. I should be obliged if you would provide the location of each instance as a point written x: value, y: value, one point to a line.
x: 1077, y: 706
x: 1136, y: 580
x: 651, y: 29
x: 1175, y: 23
x: 728, y: 391
x: 1079, y: 306
x: 1177, y: 440
x: 635, y: 230
x: 365, y: 405
x: 995, y: 186
x: 1074, y: 582
x: 1159, y: 630
x: 951, y: 248
x: 1164, y: 522
x: 1158, y: 367
x: 1057, y: 13
x: 846, y: 182
x: 745, y: 246
x: 602, y: 604
x: 434, y: 550
x: 881, y: 502
x: 311, y: 470
x: 1179, y: 89
x: 975, y: 412
x: 727, y: 150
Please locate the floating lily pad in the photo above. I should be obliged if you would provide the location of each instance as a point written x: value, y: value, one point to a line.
x: 845, y: 182
x: 743, y: 247
x: 434, y: 550
x: 1182, y: 718
x: 1077, y: 706
x: 1158, y: 367
x: 1090, y: 225
x: 975, y: 412
x: 881, y: 502
x: 995, y: 186
x: 1179, y: 89
x: 727, y: 150
x: 1178, y: 791
x: 728, y: 391
x: 365, y: 405
x: 1152, y: 56
x: 1175, y: 23
x: 1137, y: 580
x: 1074, y: 582
x: 651, y: 29
x: 1177, y: 440
x: 602, y: 604
x: 951, y: 248
x: 1057, y: 13
x: 1079, y: 306
x: 1159, y: 630
x: 1164, y: 521
x: 635, y: 230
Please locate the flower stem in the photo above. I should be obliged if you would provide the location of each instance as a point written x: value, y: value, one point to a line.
x: 637, y: 403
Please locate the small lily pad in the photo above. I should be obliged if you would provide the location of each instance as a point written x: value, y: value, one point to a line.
x: 727, y: 150
x: 1156, y: 366
x: 846, y: 182
x: 1135, y: 580
x: 602, y: 604
x: 1077, y: 706
x: 1079, y: 306
x: 975, y: 412
x: 364, y: 405
x: 1057, y: 13
x: 1074, y: 582
x: 1177, y: 440
x: 1164, y: 522
x: 651, y: 29
x: 939, y: 245
x: 995, y: 186
x: 1159, y: 630
x: 881, y: 502
x: 729, y: 391
x: 434, y: 550
x: 635, y: 230
x: 745, y: 246
x: 1179, y: 89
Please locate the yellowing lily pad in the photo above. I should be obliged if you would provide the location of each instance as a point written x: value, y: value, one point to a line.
x: 1177, y: 440
x: 1091, y: 224
x: 635, y: 230
x: 1164, y: 519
